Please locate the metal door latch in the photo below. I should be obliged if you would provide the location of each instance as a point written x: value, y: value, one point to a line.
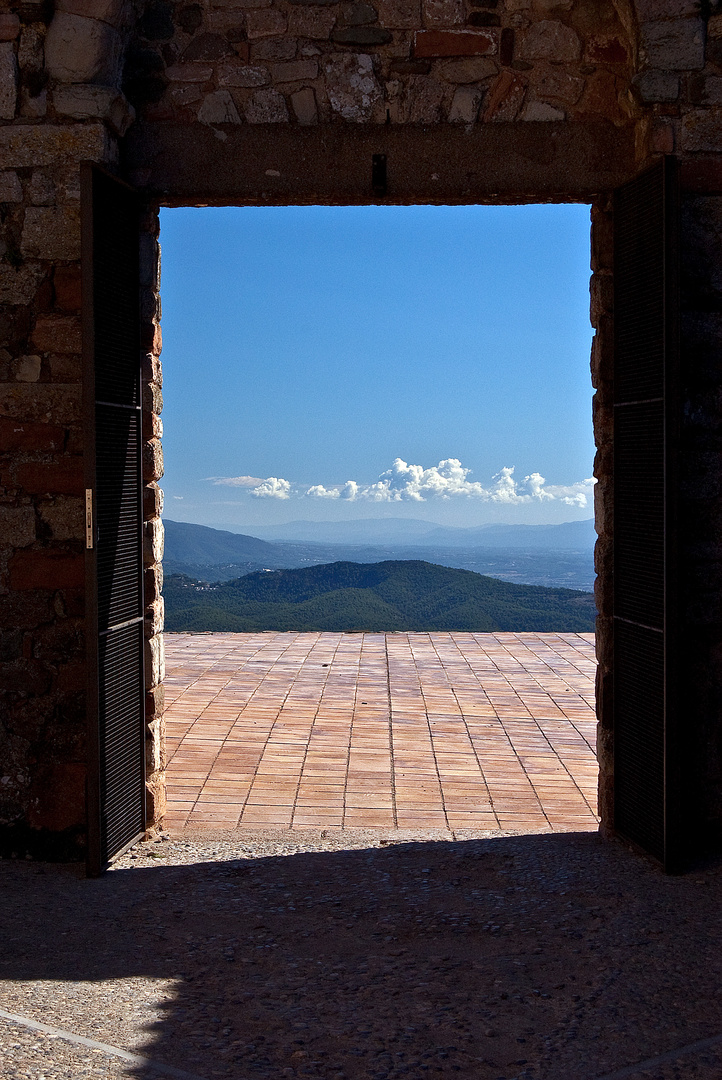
x: 88, y: 518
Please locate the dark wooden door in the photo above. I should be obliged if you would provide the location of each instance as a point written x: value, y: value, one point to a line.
x: 114, y: 519
x: 646, y: 411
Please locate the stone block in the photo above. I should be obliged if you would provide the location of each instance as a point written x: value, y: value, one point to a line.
x: 472, y: 69
x: 65, y: 369
x: 440, y: 14
x: 58, y: 334
x: 358, y: 13
x: 40, y: 438
x: 82, y: 50
x: 648, y: 10
x: 152, y: 581
x: 198, y: 73
x: 8, y: 81
x: 424, y: 98
x: 701, y: 130
x: 154, y: 615
x: 657, y: 85
x: 153, y: 541
x: 440, y: 43
x: 65, y: 518
x: 95, y: 102
x: 41, y: 189
x: 17, y: 526
x: 64, y: 477
x: 363, y: 36
x: 181, y: 96
x: 550, y: 40
x: 34, y: 146
x: 399, y: 14
x: 18, y: 284
x: 155, y: 701
x: 30, y: 51
x: 283, y: 48
x: 243, y: 75
x: 294, y: 71
x: 265, y: 23
x: 152, y: 460
x: 314, y: 23
x: 465, y: 105
x: 152, y: 501
x: 11, y: 190
x: 219, y: 108
x: 44, y: 402
x: 706, y: 89
x: 542, y: 111
x: 675, y: 45
x: 27, y: 368
x: 45, y: 569
x: 552, y: 83
x: 110, y: 11
x: 9, y: 26
x: 266, y: 106
x: 304, y: 106
x: 351, y: 85
x: 154, y: 661
x: 207, y: 49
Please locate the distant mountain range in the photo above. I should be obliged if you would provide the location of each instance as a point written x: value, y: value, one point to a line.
x: 413, y: 532
x: 386, y: 596
x: 220, y: 555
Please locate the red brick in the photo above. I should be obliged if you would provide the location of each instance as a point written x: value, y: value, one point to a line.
x: 58, y: 334
x: 67, y: 288
x: 17, y: 435
x: 505, y: 97
x: 453, y: 43
x: 9, y: 26
x: 610, y: 51
x: 57, y: 797
x: 46, y: 570
x: 702, y: 174
x: 63, y: 478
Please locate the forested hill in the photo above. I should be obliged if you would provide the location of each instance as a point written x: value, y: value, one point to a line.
x: 396, y: 595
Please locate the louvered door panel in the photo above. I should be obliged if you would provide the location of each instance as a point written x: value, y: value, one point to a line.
x: 645, y: 412
x: 114, y: 477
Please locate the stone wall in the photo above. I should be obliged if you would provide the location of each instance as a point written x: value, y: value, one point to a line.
x: 285, y: 101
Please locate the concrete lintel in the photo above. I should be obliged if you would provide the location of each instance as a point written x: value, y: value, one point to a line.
x: 279, y: 165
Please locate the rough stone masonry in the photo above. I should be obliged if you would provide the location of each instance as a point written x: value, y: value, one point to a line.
x: 282, y: 101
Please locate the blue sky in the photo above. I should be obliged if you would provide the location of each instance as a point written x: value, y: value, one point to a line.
x: 340, y: 362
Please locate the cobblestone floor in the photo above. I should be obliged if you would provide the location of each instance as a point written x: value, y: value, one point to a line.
x: 451, y: 731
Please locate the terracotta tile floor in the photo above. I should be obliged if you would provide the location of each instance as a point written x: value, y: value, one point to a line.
x: 442, y: 730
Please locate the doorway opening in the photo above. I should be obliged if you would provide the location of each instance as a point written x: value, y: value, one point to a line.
x: 305, y: 349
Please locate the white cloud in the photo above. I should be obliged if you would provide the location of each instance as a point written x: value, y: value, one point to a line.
x: 449, y: 479
x: 237, y: 481
x: 414, y: 483
x: 179, y: 497
x: 272, y: 488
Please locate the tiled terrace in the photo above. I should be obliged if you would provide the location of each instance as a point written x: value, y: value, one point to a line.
x: 441, y: 730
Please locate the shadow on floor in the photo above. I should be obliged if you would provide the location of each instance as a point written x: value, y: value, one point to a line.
x: 556, y: 957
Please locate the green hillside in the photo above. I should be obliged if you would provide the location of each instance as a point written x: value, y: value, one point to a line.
x: 407, y: 595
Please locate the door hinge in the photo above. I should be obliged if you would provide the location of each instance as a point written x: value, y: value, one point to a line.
x: 88, y: 518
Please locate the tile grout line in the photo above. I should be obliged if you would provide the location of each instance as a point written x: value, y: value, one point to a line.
x: 313, y: 721
x: 392, y: 762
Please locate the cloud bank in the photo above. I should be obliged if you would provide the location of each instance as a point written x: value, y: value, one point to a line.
x: 404, y: 482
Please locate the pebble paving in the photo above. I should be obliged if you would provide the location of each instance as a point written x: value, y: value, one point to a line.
x: 420, y: 730
x: 358, y: 956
